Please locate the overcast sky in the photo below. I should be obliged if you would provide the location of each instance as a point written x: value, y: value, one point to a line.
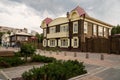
x: 30, y: 13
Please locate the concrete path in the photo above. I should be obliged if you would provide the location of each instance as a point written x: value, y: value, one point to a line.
x: 107, y: 69
x: 17, y: 71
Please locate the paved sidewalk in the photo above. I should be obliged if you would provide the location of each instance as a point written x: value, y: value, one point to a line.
x: 17, y: 71
x: 105, y: 68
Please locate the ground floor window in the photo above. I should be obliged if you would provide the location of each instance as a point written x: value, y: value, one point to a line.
x: 64, y: 42
x: 75, y: 42
x: 44, y: 42
x: 52, y: 43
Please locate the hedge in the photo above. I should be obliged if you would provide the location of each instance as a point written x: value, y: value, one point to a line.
x: 44, y: 59
x: 58, y: 70
x: 10, y: 61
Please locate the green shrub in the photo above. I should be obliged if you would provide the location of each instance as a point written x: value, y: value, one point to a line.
x: 27, y: 50
x: 58, y: 70
x: 39, y: 58
x: 10, y: 61
x: 18, y: 54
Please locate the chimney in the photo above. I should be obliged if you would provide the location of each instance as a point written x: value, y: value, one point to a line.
x: 67, y: 14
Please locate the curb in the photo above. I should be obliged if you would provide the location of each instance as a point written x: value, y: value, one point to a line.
x: 2, y: 72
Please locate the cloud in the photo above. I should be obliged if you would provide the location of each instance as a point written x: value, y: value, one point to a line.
x: 20, y: 16
x: 30, y: 13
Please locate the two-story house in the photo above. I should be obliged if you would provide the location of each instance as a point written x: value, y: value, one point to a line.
x: 71, y: 31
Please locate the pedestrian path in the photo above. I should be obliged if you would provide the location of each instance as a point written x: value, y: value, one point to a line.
x: 108, y: 65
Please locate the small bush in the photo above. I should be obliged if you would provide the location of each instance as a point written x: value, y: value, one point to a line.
x: 10, y: 61
x: 18, y: 54
x: 58, y: 70
x: 39, y: 58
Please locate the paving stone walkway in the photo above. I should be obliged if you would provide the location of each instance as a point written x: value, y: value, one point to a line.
x: 107, y: 69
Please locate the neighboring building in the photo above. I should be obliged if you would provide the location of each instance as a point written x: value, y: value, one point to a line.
x: 18, y: 38
x: 5, y: 40
x: 14, y: 30
x: 71, y: 32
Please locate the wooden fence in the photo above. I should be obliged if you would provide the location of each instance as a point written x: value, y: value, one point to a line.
x: 102, y: 45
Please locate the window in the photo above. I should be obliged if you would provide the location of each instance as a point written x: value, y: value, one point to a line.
x: 64, y: 42
x: 94, y: 29
x: 109, y: 32
x: 75, y: 27
x: 52, y: 29
x: 105, y: 32
x: 52, y: 43
x: 64, y: 28
x: 100, y: 31
x: 44, y: 31
x: 75, y: 42
x: 44, y: 42
x: 85, y: 27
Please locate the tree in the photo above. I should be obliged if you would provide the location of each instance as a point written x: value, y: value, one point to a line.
x: 8, y: 32
x: 27, y: 50
x: 40, y: 37
x: 115, y: 30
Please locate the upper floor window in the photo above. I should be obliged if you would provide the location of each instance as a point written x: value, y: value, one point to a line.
x: 75, y: 27
x: 100, y: 31
x: 44, y: 32
x: 109, y: 31
x: 64, y: 28
x: 52, y: 29
x: 105, y: 32
x: 94, y: 29
x: 85, y: 27
x: 64, y: 42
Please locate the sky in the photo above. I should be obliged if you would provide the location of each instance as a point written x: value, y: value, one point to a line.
x: 29, y: 13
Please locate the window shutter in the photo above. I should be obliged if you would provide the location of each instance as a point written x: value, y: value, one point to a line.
x: 72, y: 42
x: 68, y: 42
x: 59, y: 43
x: 48, y: 42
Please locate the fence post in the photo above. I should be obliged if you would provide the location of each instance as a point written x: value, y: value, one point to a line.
x: 65, y: 54
x: 87, y: 55
x: 50, y: 52
x: 75, y: 54
x: 44, y: 52
x: 102, y: 57
x: 57, y: 52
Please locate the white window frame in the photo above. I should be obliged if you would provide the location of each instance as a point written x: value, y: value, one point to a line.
x: 110, y: 31
x: 75, y: 27
x: 44, y: 42
x: 94, y: 29
x: 64, y: 42
x: 100, y: 31
x: 85, y: 27
x: 75, y: 44
x: 52, y: 29
x: 52, y: 42
x: 44, y: 31
x: 105, y: 32
x: 64, y: 28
